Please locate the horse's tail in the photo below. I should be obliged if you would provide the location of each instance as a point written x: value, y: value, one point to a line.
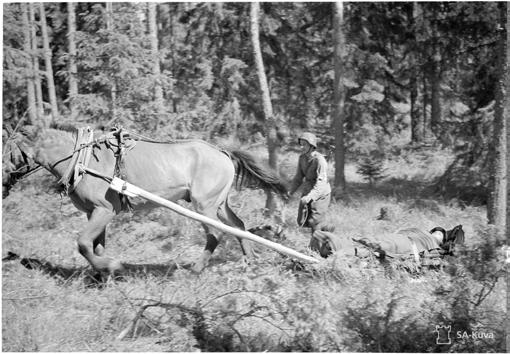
x: 252, y: 173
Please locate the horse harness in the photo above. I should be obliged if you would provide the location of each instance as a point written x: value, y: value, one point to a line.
x: 118, y: 140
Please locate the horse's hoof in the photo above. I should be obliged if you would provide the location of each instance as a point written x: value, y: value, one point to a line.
x: 201, y: 263
x: 197, y: 268
x: 115, y: 267
x: 245, y: 260
x: 244, y: 263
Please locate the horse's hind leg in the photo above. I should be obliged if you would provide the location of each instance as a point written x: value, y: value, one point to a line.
x: 91, y: 241
x: 228, y: 217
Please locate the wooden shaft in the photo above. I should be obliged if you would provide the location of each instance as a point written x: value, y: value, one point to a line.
x: 130, y: 190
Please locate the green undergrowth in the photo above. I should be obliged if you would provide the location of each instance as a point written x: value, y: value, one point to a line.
x: 271, y: 304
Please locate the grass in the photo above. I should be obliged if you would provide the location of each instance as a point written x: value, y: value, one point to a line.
x: 272, y: 304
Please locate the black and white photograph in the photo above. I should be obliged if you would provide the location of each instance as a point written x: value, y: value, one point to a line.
x: 255, y: 177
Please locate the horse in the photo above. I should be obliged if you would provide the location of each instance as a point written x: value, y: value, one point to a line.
x: 191, y: 170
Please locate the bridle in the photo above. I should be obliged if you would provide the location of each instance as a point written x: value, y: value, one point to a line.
x: 31, y: 171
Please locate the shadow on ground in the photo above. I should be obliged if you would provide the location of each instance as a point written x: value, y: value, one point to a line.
x: 90, y: 277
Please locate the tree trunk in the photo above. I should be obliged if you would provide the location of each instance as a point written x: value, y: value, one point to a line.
x: 507, y: 118
x: 435, y: 99
x: 496, y: 208
x: 174, y: 60
x: 73, y: 71
x: 266, y: 100
x: 421, y: 34
x: 339, y: 98
x: 416, y: 118
x: 507, y: 115
x: 435, y: 79
x: 156, y: 69
x: 35, y: 60
x: 426, y: 115
x: 113, y: 89
x: 29, y: 67
x: 48, y: 66
x: 417, y: 128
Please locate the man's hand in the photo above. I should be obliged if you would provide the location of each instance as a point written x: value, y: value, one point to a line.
x: 306, y: 199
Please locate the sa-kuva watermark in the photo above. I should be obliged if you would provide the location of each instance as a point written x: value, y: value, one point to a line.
x: 478, y: 332
x: 444, y: 334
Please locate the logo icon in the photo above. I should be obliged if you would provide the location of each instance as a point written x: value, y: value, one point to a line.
x: 443, y: 334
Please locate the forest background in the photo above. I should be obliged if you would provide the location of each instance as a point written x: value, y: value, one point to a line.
x: 384, y: 86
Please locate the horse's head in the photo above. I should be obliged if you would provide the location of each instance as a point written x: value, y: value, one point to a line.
x: 46, y: 145
x: 27, y: 137
x: 17, y: 155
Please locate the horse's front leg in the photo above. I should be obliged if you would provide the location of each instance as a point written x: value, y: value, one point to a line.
x: 99, y: 242
x: 92, y: 238
x: 212, y: 241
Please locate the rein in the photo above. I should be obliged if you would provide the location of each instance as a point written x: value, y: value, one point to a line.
x: 101, y: 139
x: 84, y: 148
x: 96, y: 173
x: 32, y: 171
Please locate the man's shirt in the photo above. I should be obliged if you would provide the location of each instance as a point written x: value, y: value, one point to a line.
x: 312, y: 173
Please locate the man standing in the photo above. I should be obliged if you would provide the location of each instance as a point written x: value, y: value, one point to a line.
x: 312, y: 174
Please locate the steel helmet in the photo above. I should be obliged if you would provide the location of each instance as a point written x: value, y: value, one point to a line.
x: 310, y: 138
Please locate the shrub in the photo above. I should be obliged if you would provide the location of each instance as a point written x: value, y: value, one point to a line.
x: 371, y: 167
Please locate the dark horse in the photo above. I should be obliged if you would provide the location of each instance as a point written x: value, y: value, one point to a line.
x: 190, y: 170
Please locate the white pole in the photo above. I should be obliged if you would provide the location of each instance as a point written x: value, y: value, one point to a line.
x: 130, y: 190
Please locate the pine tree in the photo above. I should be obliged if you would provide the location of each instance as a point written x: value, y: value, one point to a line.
x: 35, y: 60
x: 339, y: 98
x: 73, y: 71
x: 48, y: 64
x: 496, y: 208
x: 27, y: 46
x: 266, y: 100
